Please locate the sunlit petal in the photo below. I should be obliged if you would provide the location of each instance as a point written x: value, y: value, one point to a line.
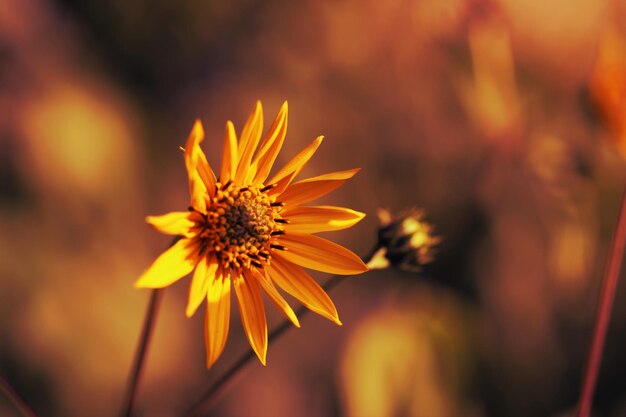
x: 173, y: 264
x: 298, y: 162
x: 295, y: 281
x: 197, y: 165
x: 274, y: 295
x: 230, y: 156
x: 174, y: 223
x: 252, y: 314
x: 306, y: 190
x: 192, y: 147
x: 270, y: 148
x: 206, y: 174
x: 280, y: 186
x: 205, y: 271
x: 320, y: 254
x: 217, y: 319
x: 250, y: 138
x: 198, y: 192
x: 320, y: 218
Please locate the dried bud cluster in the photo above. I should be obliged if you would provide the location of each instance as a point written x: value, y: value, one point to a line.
x: 406, y: 241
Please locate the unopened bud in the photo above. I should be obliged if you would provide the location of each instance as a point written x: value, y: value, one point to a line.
x: 405, y: 241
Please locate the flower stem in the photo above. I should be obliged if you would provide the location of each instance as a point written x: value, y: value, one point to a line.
x: 220, y: 386
x: 603, y: 314
x: 140, y: 354
x: 19, y: 404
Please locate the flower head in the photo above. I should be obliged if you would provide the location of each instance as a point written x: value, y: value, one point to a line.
x: 405, y: 241
x: 252, y: 232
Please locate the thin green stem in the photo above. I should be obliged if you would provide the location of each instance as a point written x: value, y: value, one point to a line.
x: 227, y: 380
x: 142, y: 349
x: 603, y: 314
x: 17, y: 401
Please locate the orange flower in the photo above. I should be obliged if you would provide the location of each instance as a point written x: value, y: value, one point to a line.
x: 254, y: 232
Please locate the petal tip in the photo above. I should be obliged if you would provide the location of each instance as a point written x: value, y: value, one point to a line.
x: 210, y: 362
x: 263, y: 358
x: 198, y: 130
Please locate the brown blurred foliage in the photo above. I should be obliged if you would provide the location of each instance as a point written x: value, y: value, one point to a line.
x: 492, y: 115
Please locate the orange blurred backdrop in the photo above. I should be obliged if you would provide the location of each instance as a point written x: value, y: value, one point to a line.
x: 483, y: 113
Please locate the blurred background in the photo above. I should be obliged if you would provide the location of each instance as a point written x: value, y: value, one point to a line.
x: 500, y: 118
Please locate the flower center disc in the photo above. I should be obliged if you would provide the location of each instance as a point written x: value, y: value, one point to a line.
x: 239, y: 226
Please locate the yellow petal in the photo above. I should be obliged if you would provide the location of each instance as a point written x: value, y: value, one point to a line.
x: 295, y: 281
x: 306, y: 190
x: 192, y: 146
x: 320, y: 254
x: 252, y: 314
x: 320, y: 218
x: 198, y: 168
x: 217, y: 320
x: 273, y: 294
x: 280, y: 186
x: 206, y: 174
x: 204, y: 273
x: 174, y: 223
x: 264, y: 160
x: 197, y: 191
x: 197, y: 188
x: 229, y: 157
x: 173, y: 264
x: 298, y: 162
x: 250, y: 137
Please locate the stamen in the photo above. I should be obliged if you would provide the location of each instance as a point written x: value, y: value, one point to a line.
x: 283, y: 221
x: 239, y: 225
x: 277, y: 204
x: 268, y: 187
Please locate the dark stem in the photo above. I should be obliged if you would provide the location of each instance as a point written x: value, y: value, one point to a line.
x: 603, y: 314
x: 219, y: 387
x: 140, y: 354
x: 17, y: 401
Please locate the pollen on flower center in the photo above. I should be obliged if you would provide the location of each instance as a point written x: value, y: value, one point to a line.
x: 238, y: 226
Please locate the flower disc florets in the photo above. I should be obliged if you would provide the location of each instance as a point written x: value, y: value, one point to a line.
x: 239, y: 226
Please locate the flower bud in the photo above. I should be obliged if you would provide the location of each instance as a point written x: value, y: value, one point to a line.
x: 405, y: 241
